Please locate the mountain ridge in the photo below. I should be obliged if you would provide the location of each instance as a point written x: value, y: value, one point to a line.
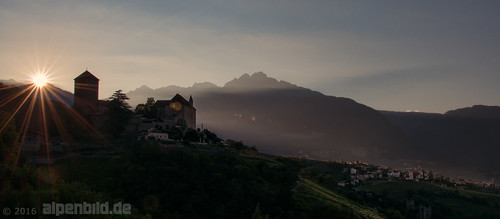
x: 283, y: 118
x: 286, y: 119
x: 476, y: 111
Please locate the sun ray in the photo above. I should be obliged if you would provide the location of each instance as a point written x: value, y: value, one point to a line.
x: 82, y: 121
x: 10, y: 86
x: 17, y: 110
x: 16, y: 95
x: 40, y: 96
x: 24, y: 129
x: 44, y: 124
x: 59, y: 124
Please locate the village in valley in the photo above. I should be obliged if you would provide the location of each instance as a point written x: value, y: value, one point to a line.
x: 360, y: 173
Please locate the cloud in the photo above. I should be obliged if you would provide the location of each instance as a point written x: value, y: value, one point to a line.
x: 347, y: 48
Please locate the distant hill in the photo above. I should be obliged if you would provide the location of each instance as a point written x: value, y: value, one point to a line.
x: 461, y: 142
x: 282, y: 118
x: 13, y: 96
x: 8, y: 82
x: 477, y: 111
x: 10, y: 87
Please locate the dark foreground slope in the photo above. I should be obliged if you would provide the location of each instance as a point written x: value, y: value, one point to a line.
x: 215, y: 182
x: 226, y: 182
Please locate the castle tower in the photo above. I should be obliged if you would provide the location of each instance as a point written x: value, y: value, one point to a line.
x: 86, y: 93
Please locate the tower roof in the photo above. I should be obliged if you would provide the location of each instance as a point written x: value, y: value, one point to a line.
x: 86, y: 74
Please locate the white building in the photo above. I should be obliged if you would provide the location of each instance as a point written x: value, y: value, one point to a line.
x: 353, y: 171
x: 394, y: 174
x: 154, y: 136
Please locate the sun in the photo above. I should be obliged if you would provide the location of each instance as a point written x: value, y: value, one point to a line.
x: 40, y: 80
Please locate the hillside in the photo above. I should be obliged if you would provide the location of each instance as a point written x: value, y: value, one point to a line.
x: 462, y: 146
x: 477, y: 111
x: 216, y: 181
x: 22, y: 100
x: 282, y: 118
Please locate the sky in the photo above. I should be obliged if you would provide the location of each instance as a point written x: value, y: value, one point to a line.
x: 431, y: 56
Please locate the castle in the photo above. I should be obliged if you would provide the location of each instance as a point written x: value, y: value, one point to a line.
x: 167, y: 114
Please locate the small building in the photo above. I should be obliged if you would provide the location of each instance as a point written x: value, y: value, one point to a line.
x: 394, y: 174
x: 409, y: 175
x: 353, y: 171
x: 153, y: 136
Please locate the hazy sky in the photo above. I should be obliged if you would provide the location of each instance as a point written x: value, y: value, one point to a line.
x: 397, y: 55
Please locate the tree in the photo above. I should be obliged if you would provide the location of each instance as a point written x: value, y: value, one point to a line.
x: 210, y: 137
x: 119, y: 99
x: 191, y: 136
x: 238, y: 145
x: 118, y: 114
x: 147, y: 109
x: 175, y: 133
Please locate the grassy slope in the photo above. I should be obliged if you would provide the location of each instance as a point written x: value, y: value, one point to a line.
x: 459, y: 202
x: 311, y: 189
x: 93, y: 171
x: 444, y: 201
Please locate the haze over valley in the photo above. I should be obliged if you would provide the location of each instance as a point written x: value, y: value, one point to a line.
x: 281, y: 118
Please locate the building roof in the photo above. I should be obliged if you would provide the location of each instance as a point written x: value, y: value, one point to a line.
x: 86, y: 74
x: 176, y: 98
x: 180, y: 99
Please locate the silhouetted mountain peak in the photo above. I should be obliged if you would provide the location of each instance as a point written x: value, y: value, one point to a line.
x: 9, y: 82
x: 143, y: 88
x: 204, y: 85
x: 257, y: 80
x: 259, y: 74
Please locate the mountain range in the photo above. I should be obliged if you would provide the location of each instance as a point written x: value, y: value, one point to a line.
x: 281, y: 118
